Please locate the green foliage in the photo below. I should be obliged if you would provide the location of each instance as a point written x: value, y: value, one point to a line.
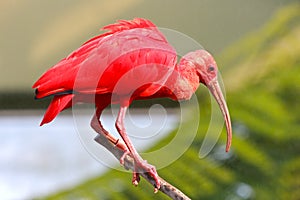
x: 262, y: 77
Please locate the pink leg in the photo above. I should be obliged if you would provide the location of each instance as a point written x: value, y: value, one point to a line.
x: 97, y: 126
x: 141, y: 166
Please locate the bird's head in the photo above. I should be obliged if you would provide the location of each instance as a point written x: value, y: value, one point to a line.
x: 207, y: 70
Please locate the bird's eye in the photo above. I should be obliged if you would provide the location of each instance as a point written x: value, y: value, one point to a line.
x: 211, y: 68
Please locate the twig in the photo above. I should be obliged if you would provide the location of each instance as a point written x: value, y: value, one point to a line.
x: 165, y: 187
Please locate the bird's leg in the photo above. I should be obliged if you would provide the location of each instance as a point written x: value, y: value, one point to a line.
x: 140, y: 165
x: 97, y: 126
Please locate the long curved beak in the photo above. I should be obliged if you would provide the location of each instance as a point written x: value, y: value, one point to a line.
x: 215, y: 90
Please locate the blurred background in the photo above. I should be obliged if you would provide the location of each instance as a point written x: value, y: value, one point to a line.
x: 257, y: 47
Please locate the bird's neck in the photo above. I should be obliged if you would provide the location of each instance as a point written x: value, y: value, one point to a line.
x: 183, y: 82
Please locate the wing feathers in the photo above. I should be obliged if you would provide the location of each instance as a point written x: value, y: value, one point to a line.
x: 57, y: 104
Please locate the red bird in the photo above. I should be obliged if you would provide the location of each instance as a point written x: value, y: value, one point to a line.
x: 132, y: 61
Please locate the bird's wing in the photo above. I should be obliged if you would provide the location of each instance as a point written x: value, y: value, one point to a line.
x: 100, y: 63
x: 136, y: 57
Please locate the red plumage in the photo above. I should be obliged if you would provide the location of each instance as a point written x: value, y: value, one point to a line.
x: 99, y: 63
x: 133, y: 60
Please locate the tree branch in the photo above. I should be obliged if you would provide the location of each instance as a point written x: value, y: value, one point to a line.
x: 165, y: 187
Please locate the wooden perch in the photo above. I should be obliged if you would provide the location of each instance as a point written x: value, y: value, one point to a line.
x: 165, y: 187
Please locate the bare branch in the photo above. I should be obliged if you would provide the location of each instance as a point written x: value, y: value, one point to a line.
x: 165, y: 187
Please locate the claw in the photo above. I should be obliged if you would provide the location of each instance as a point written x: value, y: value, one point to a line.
x: 135, y: 178
x: 154, y: 175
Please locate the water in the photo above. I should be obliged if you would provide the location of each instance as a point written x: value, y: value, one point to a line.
x: 36, y: 161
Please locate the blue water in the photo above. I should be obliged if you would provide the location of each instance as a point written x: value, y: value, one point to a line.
x: 36, y: 161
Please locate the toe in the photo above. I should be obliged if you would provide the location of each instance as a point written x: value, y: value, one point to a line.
x: 122, y: 159
x: 135, y: 178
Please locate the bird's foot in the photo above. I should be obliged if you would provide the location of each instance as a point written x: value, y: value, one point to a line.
x: 141, y: 166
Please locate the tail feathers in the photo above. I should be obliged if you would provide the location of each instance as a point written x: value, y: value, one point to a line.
x: 58, y: 103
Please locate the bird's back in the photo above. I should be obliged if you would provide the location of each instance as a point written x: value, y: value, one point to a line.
x: 132, y: 53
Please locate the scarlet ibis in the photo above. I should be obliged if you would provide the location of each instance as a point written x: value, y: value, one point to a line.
x: 131, y: 61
